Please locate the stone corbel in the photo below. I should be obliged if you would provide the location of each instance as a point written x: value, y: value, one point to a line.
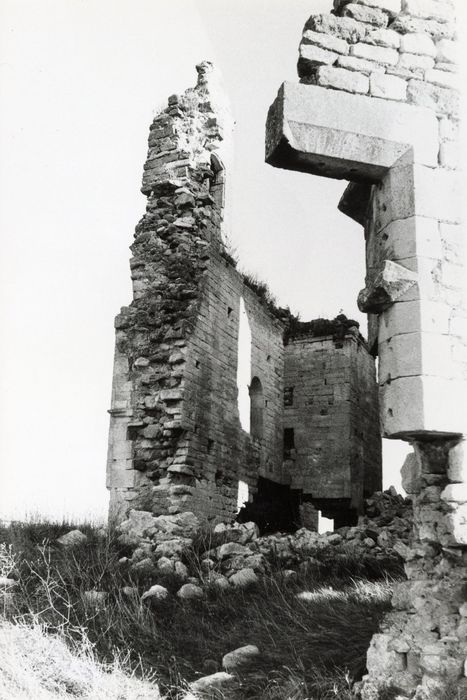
x: 388, y: 286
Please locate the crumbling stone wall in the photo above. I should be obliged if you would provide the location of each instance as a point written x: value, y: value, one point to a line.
x: 378, y: 105
x: 331, y: 404
x: 177, y: 442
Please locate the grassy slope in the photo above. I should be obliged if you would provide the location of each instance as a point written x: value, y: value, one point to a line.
x: 313, y: 634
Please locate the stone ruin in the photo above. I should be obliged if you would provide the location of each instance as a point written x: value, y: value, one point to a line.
x: 219, y: 396
x: 377, y: 105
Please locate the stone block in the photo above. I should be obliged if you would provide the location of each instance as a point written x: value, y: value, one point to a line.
x: 359, y: 64
x: 422, y: 406
x: 411, y: 473
x: 405, y: 23
x: 384, y: 37
x: 341, y: 79
x: 380, y: 54
x: 413, y: 354
x: 337, y: 134
x: 122, y: 478
x: 415, y: 236
x: 449, y: 155
x: 414, y: 317
x: 312, y: 56
x: 415, y: 63
x: 369, y: 15
x: 440, y: 99
x: 420, y: 44
x: 325, y: 41
x: 391, y: 282
x: 388, y: 87
x: 443, y: 78
x: 343, y: 27
x: 392, y: 7
x: 429, y: 9
x: 447, y: 51
x: 457, y: 463
x: 455, y: 493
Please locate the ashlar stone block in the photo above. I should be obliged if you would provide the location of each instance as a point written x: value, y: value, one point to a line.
x: 414, y: 317
x: 418, y: 43
x: 412, y: 406
x: 388, y: 86
x: 336, y: 134
x: 429, y: 9
x: 341, y: 79
x: 379, y: 54
x: 325, y: 41
x: 414, y: 354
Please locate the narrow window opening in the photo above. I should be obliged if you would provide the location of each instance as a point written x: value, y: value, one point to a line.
x: 210, y: 446
x: 256, y: 409
x: 289, y: 442
x: 288, y: 395
x: 229, y: 311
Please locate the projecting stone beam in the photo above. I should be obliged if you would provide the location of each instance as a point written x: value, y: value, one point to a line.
x: 345, y: 136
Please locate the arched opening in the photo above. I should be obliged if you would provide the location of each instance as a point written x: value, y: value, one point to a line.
x: 256, y: 409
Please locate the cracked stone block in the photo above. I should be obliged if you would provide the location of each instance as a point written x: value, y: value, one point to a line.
x: 387, y: 287
x: 423, y: 406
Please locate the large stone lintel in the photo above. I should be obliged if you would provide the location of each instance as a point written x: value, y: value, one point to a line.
x: 340, y: 135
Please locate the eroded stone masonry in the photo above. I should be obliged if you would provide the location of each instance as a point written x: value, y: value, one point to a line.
x: 219, y: 396
x: 378, y: 105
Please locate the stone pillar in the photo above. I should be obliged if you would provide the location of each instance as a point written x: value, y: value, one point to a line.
x: 378, y: 105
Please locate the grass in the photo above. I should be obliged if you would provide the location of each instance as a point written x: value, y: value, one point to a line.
x: 312, y: 634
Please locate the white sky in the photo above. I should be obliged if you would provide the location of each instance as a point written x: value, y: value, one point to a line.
x: 80, y: 81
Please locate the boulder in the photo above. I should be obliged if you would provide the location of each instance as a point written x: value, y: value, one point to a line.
x: 241, y: 658
x: 207, y: 686
x: 156, y: 593
x: 72, y: 538
x: 231, y: 549
x: 189, y: 591
x: 244, y: 578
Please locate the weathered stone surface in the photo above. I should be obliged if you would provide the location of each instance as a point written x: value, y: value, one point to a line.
x: 384, y: 37
x: 370, y: 15
x: 406, y: 23
x: 430, y: 9
x: 244, y: 578
x: 343, y: 27
x: 387, y: 287
x: 241, y: 658
x: 72, y: 538
x: 156, y: 593
x: 393, y: 7
x: 312, y: 56
x: 209, y: 686
x: 324, y: 41
x: 419, y: 44
x: 340, y: 79
x: 388, y: 87
x: 190, y: 591
x: 379, y: 54
x: 359, y: 64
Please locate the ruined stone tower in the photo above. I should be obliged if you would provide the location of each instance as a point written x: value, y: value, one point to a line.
x: 378, y: 105
x: 211, y: 379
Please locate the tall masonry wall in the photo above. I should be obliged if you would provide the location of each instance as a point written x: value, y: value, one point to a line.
x: 197, y: 407
x: 331, y: 404
x: 176, y: 442
x: 378, y: 105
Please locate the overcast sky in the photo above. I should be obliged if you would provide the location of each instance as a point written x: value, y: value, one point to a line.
x: 80, y: 81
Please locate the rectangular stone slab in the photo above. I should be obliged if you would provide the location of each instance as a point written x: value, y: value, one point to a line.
x: 341, y: 135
